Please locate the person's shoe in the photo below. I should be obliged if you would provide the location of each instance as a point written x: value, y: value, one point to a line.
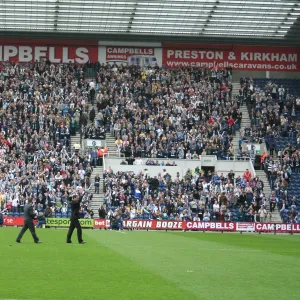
x: 38, y: 242
x: 18, y: 241
x: 83, y: 242
x: 69, y: 242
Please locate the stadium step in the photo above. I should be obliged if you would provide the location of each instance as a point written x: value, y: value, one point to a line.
x: 75, y: 140
x: 110, y: 144
x: 235, y: 88
x: 236, y: 137
x: 97, y: 198
x: 246, y: 123
x: 267, y: 190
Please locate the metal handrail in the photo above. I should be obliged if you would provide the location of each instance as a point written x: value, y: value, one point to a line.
x: 104, y: 166
x: 234, y: 158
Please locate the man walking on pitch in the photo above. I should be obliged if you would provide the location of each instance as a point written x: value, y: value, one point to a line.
x: 29, y: 215
x: 75, y: 204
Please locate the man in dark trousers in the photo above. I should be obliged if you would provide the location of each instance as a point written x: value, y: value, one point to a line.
x: 75, y: 216
x: 29, y: 215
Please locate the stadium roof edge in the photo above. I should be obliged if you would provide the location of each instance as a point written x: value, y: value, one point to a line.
x: 207, y: 39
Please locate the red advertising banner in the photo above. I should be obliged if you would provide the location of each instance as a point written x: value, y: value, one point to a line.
x: 154, y: 224
x: 101, y: 223
x: 57, y: 51
x: 280, y: 228
x: 179, y: 225
x: 184, y: 225
x: 237, y: 57
x: 13, y: 221
x: 210, y: 226
x: 144, y: 56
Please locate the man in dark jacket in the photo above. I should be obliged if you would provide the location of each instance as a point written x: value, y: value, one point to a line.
x: 92, y: 115
x: 154, y: 183
x: 29, y: 216
x: 102, y: 212
x: 75, y: 216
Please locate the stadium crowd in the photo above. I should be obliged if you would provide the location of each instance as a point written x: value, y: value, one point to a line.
x: 195, y: 196
x: 273, y: 110
x: 159, y: 113
x: 152, y: 112
x: 41, y: 106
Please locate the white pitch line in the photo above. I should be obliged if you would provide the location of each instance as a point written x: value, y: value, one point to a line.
x: 237, y: 250
x: 10, y: 299
x: 179, y: 248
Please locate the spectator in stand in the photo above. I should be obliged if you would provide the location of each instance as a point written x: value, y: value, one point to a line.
x: 93, y: 131
x: 293, y: 202
x: 247, y: 175
x: 297, y: 218
x: 101, y: 153
x: 116, y: 221
x: 102, y: 212
x: 97, y: 184
x: 41, y: 220
x: 94, y: 157
x: 206, y: 216
x: 273, y: 201
x: 262, y: 214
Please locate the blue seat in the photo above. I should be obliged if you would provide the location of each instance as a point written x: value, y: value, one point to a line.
x: 146, y: 216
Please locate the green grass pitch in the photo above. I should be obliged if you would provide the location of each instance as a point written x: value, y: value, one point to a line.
x: 149, y: 265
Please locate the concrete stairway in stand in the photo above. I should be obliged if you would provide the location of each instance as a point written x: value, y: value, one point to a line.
x: 97, y: 198
x: 109, y: 140
x: 236, y: 137
x: 110, y: 144
x: 267, y: 191
x: 75, y: 139
x: 235, y: 88
x: 245, y: 123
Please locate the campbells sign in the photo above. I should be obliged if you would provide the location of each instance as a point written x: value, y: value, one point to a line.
x: 211, y: 226
x: 237, y: 57
x: 179, y: 225
x: 143, y: 56
x: 23, y: 51
x: 280, y: 228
